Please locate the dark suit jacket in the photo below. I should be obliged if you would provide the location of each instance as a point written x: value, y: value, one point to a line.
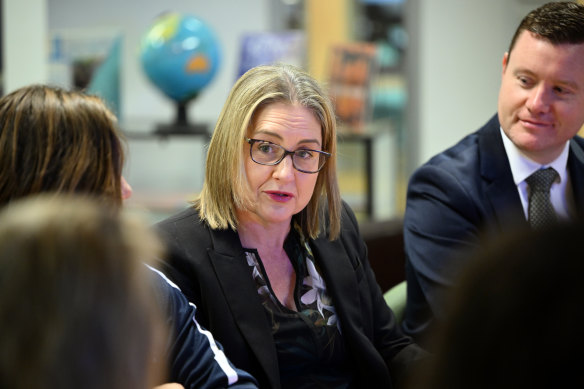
x: 211, y: 269
x: 459, y: 197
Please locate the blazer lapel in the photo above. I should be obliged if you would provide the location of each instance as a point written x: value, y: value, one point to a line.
x: 500, y: 189
x: 231, y: 270
x: 576, y: 171
x: 341, y: 283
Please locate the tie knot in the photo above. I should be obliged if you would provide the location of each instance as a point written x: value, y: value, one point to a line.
x: 542, y: 180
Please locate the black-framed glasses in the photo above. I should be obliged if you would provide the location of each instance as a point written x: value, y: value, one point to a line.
x: 303, y: 160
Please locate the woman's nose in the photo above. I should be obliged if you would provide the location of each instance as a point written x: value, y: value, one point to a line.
x: 285, y: 168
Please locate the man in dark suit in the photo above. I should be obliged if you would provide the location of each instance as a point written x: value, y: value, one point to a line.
x: 480, y: 186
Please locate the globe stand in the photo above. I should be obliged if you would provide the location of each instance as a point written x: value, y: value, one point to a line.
x: 181, y: 125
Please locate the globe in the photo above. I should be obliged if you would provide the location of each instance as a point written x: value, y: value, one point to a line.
x: 180, y: 55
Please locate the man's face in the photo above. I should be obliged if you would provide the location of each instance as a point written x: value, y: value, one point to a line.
x: 541, y: 100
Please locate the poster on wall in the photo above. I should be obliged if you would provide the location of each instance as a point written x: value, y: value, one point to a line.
x: 264, y: 48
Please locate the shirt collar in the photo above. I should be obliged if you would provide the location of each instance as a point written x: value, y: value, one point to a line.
x: 522, y: 167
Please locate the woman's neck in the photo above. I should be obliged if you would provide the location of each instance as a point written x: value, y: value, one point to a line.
x: 260, y: 236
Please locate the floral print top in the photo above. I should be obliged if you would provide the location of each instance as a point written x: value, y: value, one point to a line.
x: 311, y: 350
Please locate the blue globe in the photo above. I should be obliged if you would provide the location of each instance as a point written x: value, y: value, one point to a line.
x: 180, y: 55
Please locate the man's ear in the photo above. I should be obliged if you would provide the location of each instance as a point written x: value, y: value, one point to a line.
x: 505, y: 62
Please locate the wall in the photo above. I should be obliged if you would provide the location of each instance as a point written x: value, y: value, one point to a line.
x: 24, y: 26
x: 454, y: 63
x: 164, y: 172
x: 455, y: 67
x: 141, y: 103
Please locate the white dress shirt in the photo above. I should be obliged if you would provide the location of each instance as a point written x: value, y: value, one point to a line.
x: 522, y: 167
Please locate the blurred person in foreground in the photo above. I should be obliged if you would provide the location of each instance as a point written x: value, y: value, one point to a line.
x: 487, y: 184
x: 270, y: 254
x: 515, y: 318
x: 75, y: 301
x: 58, y: 141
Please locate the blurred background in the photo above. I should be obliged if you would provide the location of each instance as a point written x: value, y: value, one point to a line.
x: 408, y: 77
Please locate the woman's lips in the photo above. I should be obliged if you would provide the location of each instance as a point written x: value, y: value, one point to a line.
x: 279, y: 196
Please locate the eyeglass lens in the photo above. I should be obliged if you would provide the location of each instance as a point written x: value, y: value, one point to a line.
x: 271, y: 154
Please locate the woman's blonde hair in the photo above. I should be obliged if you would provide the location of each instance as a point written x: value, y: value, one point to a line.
x: 226, y: 187
x: 53, y: 140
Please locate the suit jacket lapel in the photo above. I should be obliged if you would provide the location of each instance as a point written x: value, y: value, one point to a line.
x: 341, y: 283
x: 231, y: 270
x: 500, y: 189
x: 576, y: 171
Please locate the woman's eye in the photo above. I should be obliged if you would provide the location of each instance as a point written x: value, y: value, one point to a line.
x: 304, y: 154
x: 266, y: 148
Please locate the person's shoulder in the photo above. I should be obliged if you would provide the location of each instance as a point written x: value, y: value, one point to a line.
x: 467, y: 148
x: 349, y: 223
x: 346, y: 210
x: 167, y: 293
x: 182, y: 229
x: 576, y: 160
x: 579, y: 141
x: 465, y: 154
x: 188, y: 214
x: 347, y: 215
x: 185, y: 220
x: 162, y: 282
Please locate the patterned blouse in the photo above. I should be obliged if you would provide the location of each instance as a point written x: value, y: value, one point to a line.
x: 311, y: 350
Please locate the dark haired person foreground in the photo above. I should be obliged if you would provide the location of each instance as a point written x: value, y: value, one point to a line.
x: 75, y: 300
x: 57, y: 141
x: 487, y: 184
x: 515, y: 319
x: 270, y: 254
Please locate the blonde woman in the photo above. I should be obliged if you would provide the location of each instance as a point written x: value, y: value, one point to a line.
x: 271, y: 255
